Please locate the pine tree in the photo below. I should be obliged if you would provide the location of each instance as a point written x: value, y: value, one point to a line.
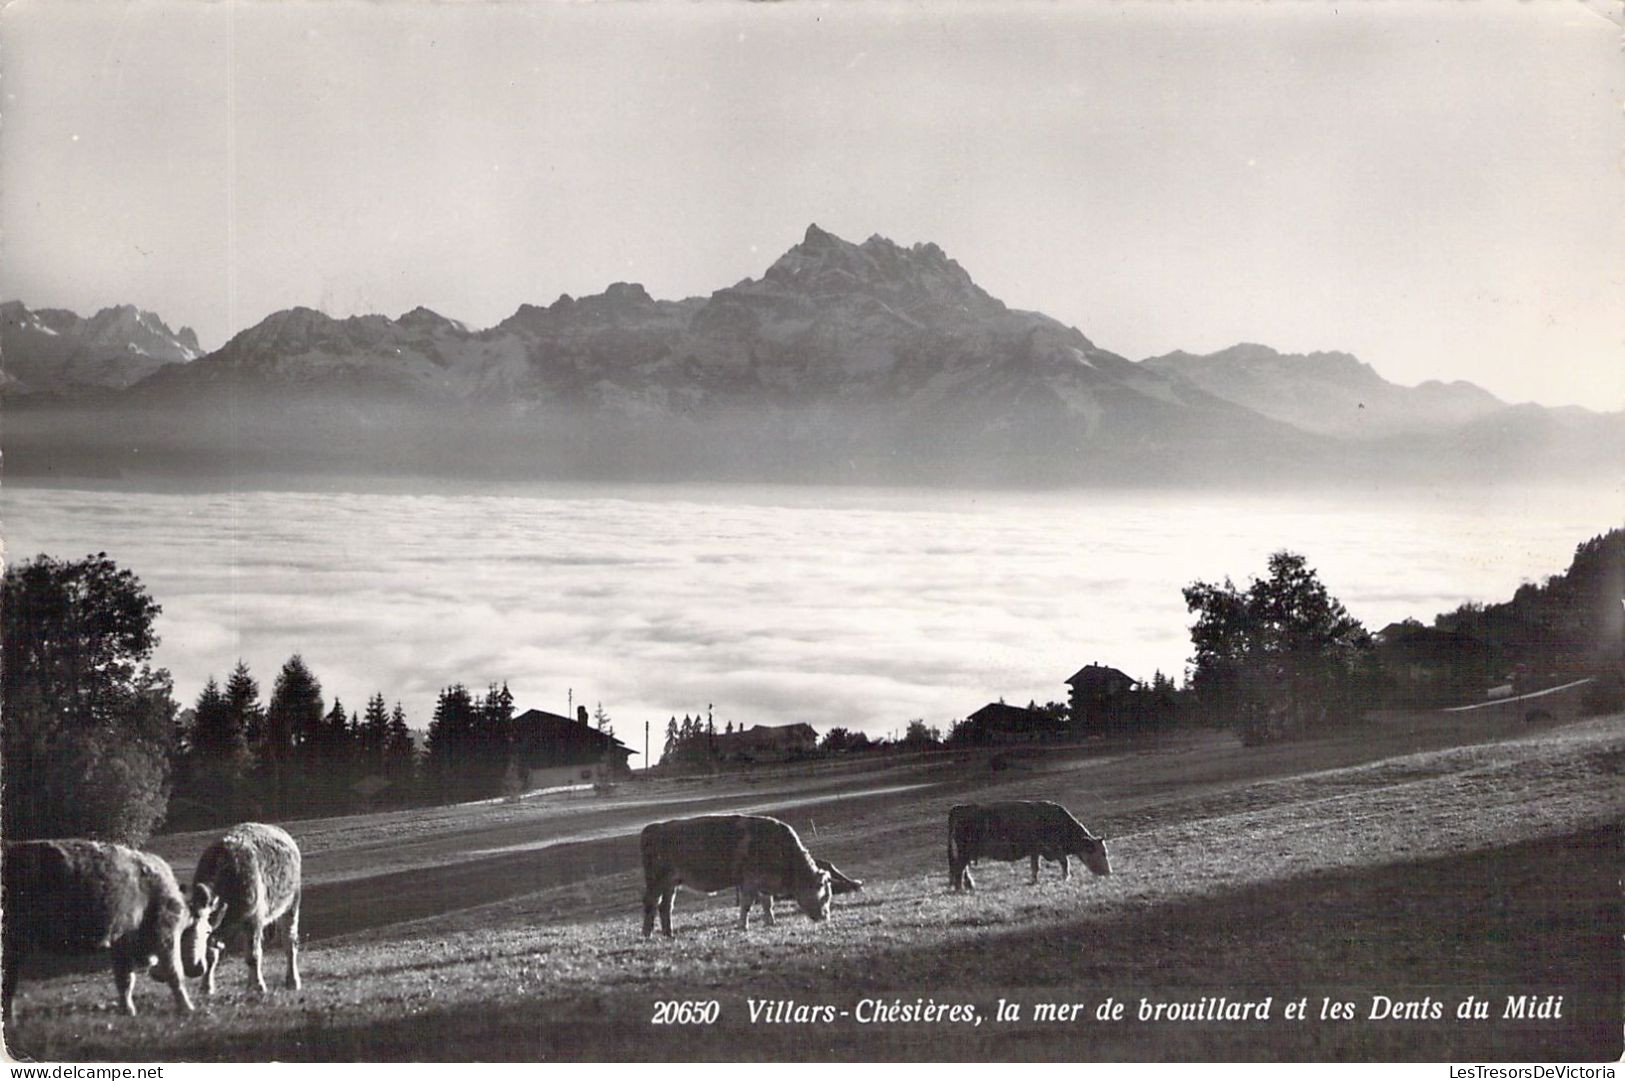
x: 293, y: 719
x: 492, y: 747
x: 247, y: 714
x: 601, y: 721
x: 327, y: 758
x: 339, y: 737
x: 674, y: 739
x: 374, y: 735
x: 209, y: 739
x: 400, y: 754
x: 451, y: 738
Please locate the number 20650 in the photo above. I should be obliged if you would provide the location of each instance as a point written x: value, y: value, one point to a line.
x: 702, y: 1012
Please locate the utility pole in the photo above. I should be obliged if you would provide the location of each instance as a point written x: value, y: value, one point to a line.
x: 645, y: 744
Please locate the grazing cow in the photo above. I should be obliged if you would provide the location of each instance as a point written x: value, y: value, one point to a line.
x: 759, y: 857
x: 82, y: 897
x: 1009, y: 831
x: 246, y: 881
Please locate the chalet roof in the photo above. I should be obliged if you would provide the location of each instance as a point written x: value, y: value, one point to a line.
x: 1001, y: 715
x: 542, y: 726
x: 1095, y: 674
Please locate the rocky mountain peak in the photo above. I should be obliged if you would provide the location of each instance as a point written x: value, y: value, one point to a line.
x: 55, y: 351
x: 427, y: 319
x: 627, y: 294
x: 921, y: 278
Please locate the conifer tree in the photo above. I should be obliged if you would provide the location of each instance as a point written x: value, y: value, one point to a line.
x: 293, y: 718
x: 451, y: 736
x: 209, y: 739
x: 247, y: 714
x: 400, y: 754
x: 374, y: 735
x: 492, y: 738
x: 674, y: 739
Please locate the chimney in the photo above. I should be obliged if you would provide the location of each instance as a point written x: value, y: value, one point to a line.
x: 581, y: 715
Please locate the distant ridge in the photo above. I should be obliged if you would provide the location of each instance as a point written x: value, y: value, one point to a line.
x: 1328, y: 393
x: 53, y: 351
x: 843, y: 362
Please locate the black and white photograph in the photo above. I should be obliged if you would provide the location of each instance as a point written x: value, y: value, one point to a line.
x: 809, y: 532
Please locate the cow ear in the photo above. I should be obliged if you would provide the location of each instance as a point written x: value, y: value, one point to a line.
x: 202, y: 897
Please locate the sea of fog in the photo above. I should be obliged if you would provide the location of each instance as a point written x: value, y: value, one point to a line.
x: 862, y: 608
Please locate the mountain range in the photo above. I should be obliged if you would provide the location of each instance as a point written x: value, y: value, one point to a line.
x: 52, y: 351
x: 868, y: 362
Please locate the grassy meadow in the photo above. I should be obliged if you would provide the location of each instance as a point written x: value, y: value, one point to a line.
x: 1423, y: 862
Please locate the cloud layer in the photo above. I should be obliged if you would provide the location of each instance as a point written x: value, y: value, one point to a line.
x: 862, y: 609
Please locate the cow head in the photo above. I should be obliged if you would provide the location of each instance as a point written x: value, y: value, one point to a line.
x: 1093, y: 854
x: 815, y: 896
x: 206, y: 910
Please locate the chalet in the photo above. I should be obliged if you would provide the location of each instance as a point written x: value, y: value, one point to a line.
x: 1000, y: 723
x: 1098, y: 693
x: 765, y: 743
x: 554, y: 750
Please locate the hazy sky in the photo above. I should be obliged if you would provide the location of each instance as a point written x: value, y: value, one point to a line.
x: 1438, y: 188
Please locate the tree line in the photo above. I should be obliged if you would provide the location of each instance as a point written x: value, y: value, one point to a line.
x: 237, y: 757
x: 95, y: 744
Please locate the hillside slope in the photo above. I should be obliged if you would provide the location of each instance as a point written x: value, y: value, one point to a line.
x: 1334, y: 868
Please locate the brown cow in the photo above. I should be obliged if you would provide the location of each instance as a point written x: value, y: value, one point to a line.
x: 1009, y: 831
x: 246, y: 881
x: 758, y: 856
x: 82, y: 897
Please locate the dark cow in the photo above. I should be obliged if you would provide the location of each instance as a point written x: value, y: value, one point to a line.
x: 1009, y: 831
x: 82, y: 897
x: 246, y: 881
x: 759, y: 857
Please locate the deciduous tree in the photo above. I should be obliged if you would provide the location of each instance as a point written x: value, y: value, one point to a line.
x: 89, y: 726
x: 1279, y: 658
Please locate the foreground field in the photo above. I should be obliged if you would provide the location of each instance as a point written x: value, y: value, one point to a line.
x: 1340, y: 870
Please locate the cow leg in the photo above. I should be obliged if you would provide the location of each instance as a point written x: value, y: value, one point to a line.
x: 651, y: 900
x: 124, y: 981
x: 256, y: 958
x: 1034, y: 859
x: 168, y: 970
x: 967, y: 878
x: 666, y: 899
x: 290, y: 929
x: 1066, y: 867
x: 745, y: 901
x: 767, y: 907
x: 177, y: 989
x: 216, y: 950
